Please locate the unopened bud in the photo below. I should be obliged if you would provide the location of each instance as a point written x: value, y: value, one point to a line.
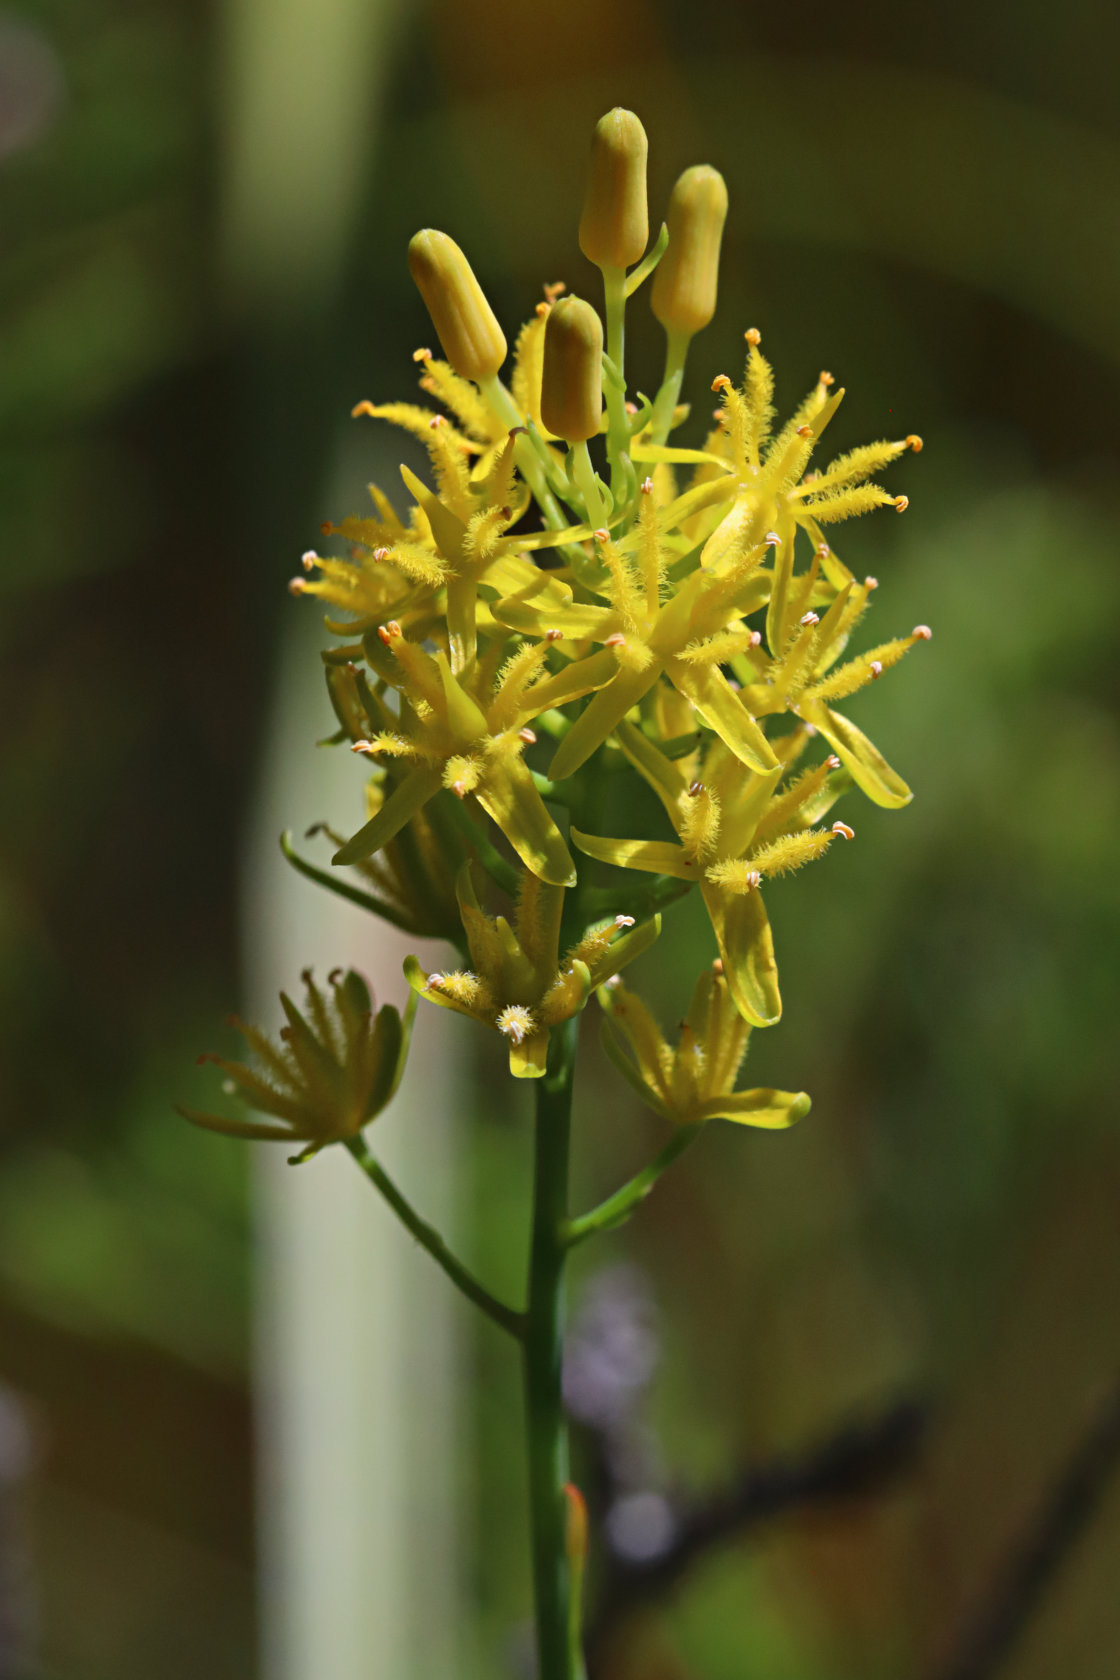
x: 614, y: 227
x: 468, y: 329
x: 684, y: 285
x: 572, y: 379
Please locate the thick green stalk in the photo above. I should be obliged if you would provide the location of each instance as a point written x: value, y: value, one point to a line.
x: 546, y: 1426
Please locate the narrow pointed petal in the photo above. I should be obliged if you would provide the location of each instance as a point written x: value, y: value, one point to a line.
x: 723, y: 710
x: 615, y: 1053
x: 508, y: 796
x: 466, y: 719
x: 581, y: 677
x: 869, y: 769
x: 257, y: 1129
x: 578, y: 622
x: 746, y: 944
x: 447, y: 528
x: 388, y: 1039
x: 772, y: 1109
x: 660, y: 772
x: 658, y: 857
x: 402, y: 804
x: 594, y: 724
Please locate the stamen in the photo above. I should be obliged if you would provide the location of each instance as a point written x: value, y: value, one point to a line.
x: 647, y: 487
x: 923, y: 632
x: 823, y: 551
x: 617, y: 640
x: 717, y: 966
x: 876, y: 668
x: 389, y: 632
x: 296, y: 585
x: 832, y: 761
x: 753, y: 337
x: 811, y: 618
x: 422, y: 355
x: 805, y: 431
x: 915, y: 442
x: 695, y: 789
x: 554, y: 289
x: 871, y: 583
x: 527, y: 736
x: 825, y: 378
x: 843, y: 831
x: 382, y: 553
x: 436, y: 420
x: 623, y: 921
x: 772, y: 540
x: 631, y: 408
x: 755, y: 639
x: 602, y: 535
x: 309, y: 560
x: 721, y: 382
x: 516, y: 1022
x: 902, y: 503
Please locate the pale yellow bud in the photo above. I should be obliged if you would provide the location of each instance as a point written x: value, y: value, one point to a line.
x: 472, y: 340
x: 572, y: 380
x: 684, y: 283
x: 614, y: 227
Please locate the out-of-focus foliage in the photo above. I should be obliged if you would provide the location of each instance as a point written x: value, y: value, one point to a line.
x: 933, y: 192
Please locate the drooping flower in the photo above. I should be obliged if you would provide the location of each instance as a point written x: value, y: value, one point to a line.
x: 337, y: 1066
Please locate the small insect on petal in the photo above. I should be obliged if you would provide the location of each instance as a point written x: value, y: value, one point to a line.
x: 923, y: 632
x: 843, y: 831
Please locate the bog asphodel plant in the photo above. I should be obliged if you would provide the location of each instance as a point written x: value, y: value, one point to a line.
x: 549, y: 629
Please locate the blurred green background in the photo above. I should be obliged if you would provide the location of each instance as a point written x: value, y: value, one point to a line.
x: 202, y: 269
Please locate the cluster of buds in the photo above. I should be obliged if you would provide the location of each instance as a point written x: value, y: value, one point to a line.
x: 546, y: 629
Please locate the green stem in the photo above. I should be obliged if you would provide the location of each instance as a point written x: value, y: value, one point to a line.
x: 676, y: 353
x: 546, y: 1425
x: 428, y: 1237
x: 618, y: 1208
x: 618, y: 430
x: 583, y: 475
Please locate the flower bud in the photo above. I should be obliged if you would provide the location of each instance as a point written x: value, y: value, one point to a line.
x: 614, y: 227
x: 472, y: 340
x: 684, y: 283
x: 572, y: 380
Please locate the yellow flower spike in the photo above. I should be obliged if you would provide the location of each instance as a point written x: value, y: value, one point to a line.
x: 337, y: 1066
x: 684, y: 285
x: 695, y: 1082
x: 468, y: 329
x: 614, y: 226
x: 572, y: 378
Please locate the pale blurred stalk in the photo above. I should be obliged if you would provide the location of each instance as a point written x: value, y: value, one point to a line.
x: 355, y: 1348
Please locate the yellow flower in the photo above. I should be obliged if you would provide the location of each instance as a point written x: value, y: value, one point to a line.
x: 518, y: 984
x: 695, y: 1081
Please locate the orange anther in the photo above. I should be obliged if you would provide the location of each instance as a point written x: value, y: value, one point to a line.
x: 915, y: 442
x: 753, y: 337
